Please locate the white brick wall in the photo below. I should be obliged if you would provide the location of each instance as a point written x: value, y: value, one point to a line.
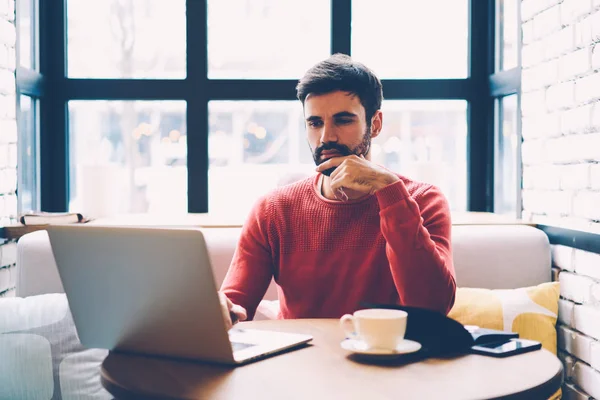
x: 587, y: 264
x: 576, y: 288
x: 574, y: 176
x: 8, y: 261
x: 595, y: 177
x: 579, y: 319
x: 561, y: 165
x: 575, y: 343
x: 586, y: 205
x: 576, y: 120
x: 8, y: 141
x: 563, y: 257
x: 587, y: 378
x: 565, y: 312
x: 561, y: 108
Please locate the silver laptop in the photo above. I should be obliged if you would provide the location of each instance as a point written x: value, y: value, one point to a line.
x: 152, y: 291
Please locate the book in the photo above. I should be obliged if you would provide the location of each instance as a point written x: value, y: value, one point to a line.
x: 39, y: 221
x: 485, y: 336
x: 15, y: 231
x: 47, y: 218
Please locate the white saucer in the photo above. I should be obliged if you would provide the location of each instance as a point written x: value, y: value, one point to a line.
x: 359, y: 347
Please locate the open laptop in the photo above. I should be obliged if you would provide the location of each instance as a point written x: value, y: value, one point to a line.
x: 152, y: 291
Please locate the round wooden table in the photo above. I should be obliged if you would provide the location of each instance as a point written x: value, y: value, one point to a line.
x: 323, y: 370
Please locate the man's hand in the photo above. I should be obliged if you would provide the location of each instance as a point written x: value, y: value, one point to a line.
x: 357, y: 174
x: 232, y: 313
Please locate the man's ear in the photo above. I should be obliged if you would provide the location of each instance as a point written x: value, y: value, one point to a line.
x: 376, y: 123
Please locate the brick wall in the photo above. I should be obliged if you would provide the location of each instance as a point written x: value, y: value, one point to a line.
x: 561, y: 170
x: 8, y: 142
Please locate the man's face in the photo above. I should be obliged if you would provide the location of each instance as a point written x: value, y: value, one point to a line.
x: 337, y: 126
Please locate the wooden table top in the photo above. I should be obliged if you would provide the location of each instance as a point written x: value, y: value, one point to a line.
x: 323, y: 370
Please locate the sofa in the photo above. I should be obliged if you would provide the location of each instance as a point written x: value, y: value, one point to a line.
x: 504, y: 256
x: 485, y: 256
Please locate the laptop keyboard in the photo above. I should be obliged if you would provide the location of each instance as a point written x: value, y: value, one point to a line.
x: 237, y: 346
x: 239, y: 338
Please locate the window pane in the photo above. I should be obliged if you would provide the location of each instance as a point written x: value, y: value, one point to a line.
x: 26, y: 25
x: 270, y: 39
x: 508, y: 24
x: 28, y: 155
x: 506, y: 172
x: 426, y: 141
x: 126, y: 39
x: 254, y: 146
x: 411, y: 39
x: 128, y: 157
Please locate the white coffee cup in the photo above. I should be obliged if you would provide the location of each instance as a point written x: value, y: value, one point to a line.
x: 378, y: 328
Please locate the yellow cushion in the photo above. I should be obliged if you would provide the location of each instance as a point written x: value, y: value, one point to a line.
x: 531, y: 311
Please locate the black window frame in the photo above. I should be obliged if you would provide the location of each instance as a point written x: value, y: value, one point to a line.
x: 479, y: 89
x: 504, y: 83
x: 30, y: 82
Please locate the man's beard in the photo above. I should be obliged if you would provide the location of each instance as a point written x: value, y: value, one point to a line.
x: 361, y: 150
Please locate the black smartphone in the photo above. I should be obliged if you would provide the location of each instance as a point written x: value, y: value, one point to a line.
x: 506, y: 348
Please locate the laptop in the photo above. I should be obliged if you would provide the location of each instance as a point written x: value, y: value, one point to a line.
x: 152, y: 291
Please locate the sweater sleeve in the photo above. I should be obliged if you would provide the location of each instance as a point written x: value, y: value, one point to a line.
x: 418, y: 247
x: 251, y: 268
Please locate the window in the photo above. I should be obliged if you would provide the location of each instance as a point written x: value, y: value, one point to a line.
x: 507, y: 31
x: 28, y: 154
x: 505, y: 85
x: 507, y: 148
x: 257, y: 146
x: 426, y: 141
x: 411, y: 39
x: 126, y: 39
x: 26, y: 23
x: 266, y: 39
x: 191, y: 105
x: 128, y: 157
x: 29, y: 94
x: 254, y: 146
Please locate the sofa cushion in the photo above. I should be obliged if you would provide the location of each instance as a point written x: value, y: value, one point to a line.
x: 42, y: 357
x: 500, y: 256
x: 36, y: 269
x: 530, y: 311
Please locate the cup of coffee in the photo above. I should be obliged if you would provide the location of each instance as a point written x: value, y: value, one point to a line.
x: 378, y: 328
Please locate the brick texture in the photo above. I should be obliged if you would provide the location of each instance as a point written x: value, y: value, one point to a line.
x: 8, y: 143
x: 561, y: 166
x: 578, y: 327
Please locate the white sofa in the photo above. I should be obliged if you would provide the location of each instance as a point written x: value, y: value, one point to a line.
x: 485, y: 256
x: 43, y: 357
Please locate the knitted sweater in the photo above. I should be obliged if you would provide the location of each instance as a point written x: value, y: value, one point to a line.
x: 328, y: 257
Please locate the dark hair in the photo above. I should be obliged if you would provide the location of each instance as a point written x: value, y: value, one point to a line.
x: 340, y: 72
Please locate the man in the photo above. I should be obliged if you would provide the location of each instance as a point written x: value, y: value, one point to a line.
x: 356, y: 232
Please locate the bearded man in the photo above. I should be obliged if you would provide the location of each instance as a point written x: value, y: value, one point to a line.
x: 354, y: 232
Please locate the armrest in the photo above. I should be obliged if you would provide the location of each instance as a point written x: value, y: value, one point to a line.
x: 36, y: 268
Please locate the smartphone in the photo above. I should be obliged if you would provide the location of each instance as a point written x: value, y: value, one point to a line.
x: 506, y: 348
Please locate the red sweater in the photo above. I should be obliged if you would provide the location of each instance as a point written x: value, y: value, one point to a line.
x: 328, y: 257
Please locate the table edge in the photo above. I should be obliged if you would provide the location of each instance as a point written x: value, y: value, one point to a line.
x: 545, y: 389
x: 119, y: 392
